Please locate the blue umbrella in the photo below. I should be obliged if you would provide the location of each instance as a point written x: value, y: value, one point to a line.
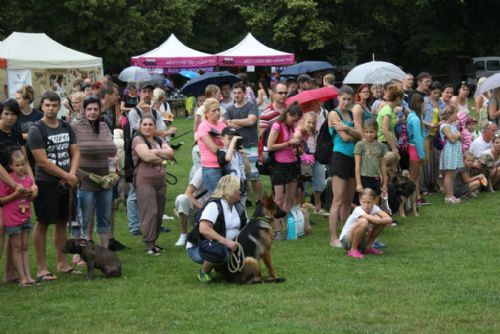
x: 189, y: 74
x: 307, y: 67
x: 196, y: 86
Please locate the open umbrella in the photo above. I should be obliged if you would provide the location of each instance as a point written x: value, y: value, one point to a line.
x: 196, y: 86
x: 374, y: 72
x: 307, y: 67
x: 489, y: 84
x: 134, y: 74
x: 322, y: 94
x: 189, y: 74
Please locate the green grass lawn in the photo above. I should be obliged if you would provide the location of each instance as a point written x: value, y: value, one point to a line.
x: 439, y: 275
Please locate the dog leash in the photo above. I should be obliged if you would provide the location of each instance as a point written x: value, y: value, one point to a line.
x: 236, y: 261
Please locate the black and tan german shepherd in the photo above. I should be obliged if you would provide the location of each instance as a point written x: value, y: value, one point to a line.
x: 256, y: 240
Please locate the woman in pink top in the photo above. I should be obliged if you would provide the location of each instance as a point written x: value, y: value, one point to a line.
x: 209, y: 142
x: 285, y: 170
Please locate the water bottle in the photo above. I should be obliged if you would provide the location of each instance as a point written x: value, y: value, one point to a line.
x: 292, y: 232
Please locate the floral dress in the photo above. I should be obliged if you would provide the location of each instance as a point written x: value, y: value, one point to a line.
x: 451, y: 156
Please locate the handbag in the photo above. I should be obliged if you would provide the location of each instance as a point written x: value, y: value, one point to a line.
x: 213, y: 251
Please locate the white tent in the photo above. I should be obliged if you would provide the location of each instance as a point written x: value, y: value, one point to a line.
x: 172, y: 54
x: 251, y: 52
x: 36, y: 59
x: 39, y: 51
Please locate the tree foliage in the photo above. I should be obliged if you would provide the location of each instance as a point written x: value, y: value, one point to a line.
x: 413, y: 33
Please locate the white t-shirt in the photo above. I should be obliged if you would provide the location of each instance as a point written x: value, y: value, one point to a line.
x: 198, y: 183
x: 231, y: 217
x: 478, y: 146
x: 353, y: 218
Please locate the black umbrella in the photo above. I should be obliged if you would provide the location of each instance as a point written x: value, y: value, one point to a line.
x: 307, y: 67
x: 196, y: 86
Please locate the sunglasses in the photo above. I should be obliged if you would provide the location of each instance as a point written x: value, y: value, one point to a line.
x: 281, y: 93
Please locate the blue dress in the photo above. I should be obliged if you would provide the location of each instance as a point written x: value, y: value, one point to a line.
x: 451, y: 156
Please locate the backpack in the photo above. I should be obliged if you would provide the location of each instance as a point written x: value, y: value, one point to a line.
x: 264, y: 164
x: 324, y: 143
x: 43, y: 130
x: 194, y: 235
x: 128, y: 136
x: 437, y: 141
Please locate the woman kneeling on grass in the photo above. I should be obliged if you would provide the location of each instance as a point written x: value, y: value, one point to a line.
x: 222, y: 219
x: 363, y: 226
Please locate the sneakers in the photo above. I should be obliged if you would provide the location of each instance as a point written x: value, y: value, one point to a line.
x: 115, y: 246
x: 322, y: 212
x: 278, y: 236
x: 355, y: 254
x: 378, y: 244
x: 164, y: 229
x: 204, y: 278
x: 336, y: 243
x: 153, y: 251
x: 451, y: 200
x: 167, y: 217
x: 422, y: 202
x: 135, y: 233
x: 182, y: 240
x: 373, y: 251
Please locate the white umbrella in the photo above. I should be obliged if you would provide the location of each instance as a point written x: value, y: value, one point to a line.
x: 134, y: 74
x: 374, y: 72
x: 488, y: 84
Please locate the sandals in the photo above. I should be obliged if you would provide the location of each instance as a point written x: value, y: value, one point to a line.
x: 71, y: 271
x: 47, y: 277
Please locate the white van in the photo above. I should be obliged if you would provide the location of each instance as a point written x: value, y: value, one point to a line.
x: 486, y: 66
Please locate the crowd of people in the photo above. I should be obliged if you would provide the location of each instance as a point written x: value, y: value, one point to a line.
x: 108, y: 148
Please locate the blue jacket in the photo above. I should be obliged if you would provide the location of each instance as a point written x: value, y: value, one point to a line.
x: 414, y: 132
x: 428, y: 112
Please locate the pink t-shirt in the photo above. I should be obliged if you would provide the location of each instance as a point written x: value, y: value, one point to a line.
x: 12, y: 212
x: 287, y: 154
x: 208, y: 158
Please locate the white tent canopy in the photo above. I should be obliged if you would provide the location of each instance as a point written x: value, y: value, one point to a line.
x: 39, y: 51
x: 251, y: 52
x: 173, y: 54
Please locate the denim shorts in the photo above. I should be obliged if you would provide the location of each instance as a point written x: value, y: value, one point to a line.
x: 26, y: 226
x: 318, y: 178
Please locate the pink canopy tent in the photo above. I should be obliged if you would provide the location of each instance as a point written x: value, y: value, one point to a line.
x: 173, y: 54
x: 251, y: 52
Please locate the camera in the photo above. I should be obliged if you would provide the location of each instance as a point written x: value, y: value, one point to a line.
x: 239, y: 144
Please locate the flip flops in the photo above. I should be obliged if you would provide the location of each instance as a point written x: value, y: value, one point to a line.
x: 71, y: 271
x: 47, y: 277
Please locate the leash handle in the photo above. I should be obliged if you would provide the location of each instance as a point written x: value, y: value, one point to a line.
x: 236, y: 261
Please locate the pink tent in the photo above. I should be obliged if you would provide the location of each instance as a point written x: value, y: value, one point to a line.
x: 251, y: 52
x: 173, y: 54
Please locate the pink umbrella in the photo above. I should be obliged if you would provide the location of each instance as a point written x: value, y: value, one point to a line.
x: 321, y: 94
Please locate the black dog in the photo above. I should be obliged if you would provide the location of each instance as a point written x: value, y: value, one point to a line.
x: 406, y: 190
x: 96, y: 257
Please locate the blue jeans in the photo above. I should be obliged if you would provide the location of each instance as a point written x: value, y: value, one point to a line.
x: 211, y: 177
x: 132, y: 211
x: 194, y: 254
x: 103, y: 200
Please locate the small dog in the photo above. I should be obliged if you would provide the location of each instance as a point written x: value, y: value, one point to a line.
x: 96, y: 257
x: 406, y: 190
x: 483, y: 165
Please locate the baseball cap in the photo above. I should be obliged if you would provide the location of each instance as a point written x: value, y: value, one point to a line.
x: 145, y: 85
x: 304, y: 78
x: 230, y: 131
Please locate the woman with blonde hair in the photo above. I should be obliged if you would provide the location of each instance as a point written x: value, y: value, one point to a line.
x: 24, y: 97
x: 209, y: 142
x: 160, y: 104
x: 217, y: 239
